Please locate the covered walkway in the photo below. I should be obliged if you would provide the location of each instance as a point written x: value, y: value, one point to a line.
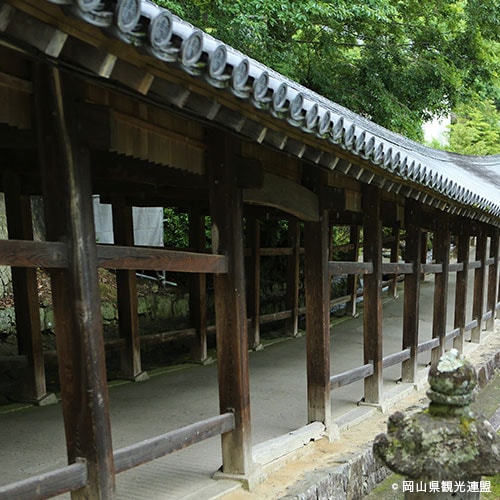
x: 121, y: 99
x: 33, y: 437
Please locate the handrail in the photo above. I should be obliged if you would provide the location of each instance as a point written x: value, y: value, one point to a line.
x: 69, y: 478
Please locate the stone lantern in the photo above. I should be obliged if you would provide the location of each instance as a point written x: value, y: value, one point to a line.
x: 443, y: 450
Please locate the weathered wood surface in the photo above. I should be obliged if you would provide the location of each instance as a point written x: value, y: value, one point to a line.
x: 478, y: 302
x: 159, y: 446
x: 293, y: 279
x: 441, y: 253
x: 350, y: 376
x: 126, y: 284
x: 42, y: 254
x: 317, y: 289
x: 120, y: 257
x: 428, y: 345
x: 50, y: 484
x: 75, y: 290
x: 343, y: 267
x: 397, y: 268
x: 253, y: 282
x: 461, y: 287
x: 372, y: 315
x: 24, y: 285
x: 396, y: 234
x: 352, y: 279
x: 492, y: 280
x: 396, y: 358
x: 285, y: 195
x: 226, y: 206
x: 198, y: 289
x: 411, y: 290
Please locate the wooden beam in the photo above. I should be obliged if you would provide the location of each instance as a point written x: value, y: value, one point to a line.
x: 27, y: 310
x: 372, y: 306
x: 155, y: 259
x: 441, y: 253
x: 198, y: 289
x: 285, y: 195
x: 293, y: 278
x: 253, y: 274
x: 230, y: 304
x: 461, y: 285
x: 396, y: 233
x: 479, y: 286
x: 126, y: 288
x: 317, y: 287
x: 342, y: 267
x: 352, y: 279
x: 411, y: 290
x: 75, y: 290
x: 492, y: 280
x: 43, y: 254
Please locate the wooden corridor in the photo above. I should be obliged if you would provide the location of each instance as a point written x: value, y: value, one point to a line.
x: 123, y: 100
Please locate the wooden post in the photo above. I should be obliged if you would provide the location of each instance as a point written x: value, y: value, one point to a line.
x: 479, y: 284
x: 395, y: 256
x: 411, y: 291
x: 292, y: 287
x: 372, y: 296
x: 65, y: 171
x: 198, y: 290
x: 492, y: 281
x: 352, y: 279
x: 27, y: 309
x: 317, y: 287
x: 230, y: 303
x: 253, y: 238
x: 462, y: 286
x: 423, y: 252
x: 126, y: 284
x: 441, y: 253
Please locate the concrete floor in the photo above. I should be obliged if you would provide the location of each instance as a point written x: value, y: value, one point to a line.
x: 33, y: 437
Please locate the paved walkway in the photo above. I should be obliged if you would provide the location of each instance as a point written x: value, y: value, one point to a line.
x: 33, y: 438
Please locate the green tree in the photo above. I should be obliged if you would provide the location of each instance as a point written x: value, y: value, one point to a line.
x: 396, y: 62
x: 475, y: 129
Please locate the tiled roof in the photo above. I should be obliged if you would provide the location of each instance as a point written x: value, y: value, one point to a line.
x: 459, y: 184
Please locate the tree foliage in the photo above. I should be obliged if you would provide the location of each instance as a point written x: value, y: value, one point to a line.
x: 396, y: 62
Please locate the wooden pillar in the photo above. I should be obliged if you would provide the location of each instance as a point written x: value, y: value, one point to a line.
x: 462, y: 286
x: 230, y: 303
x: 253, y: 238
x: 27, y: 309
x: 198, y: 289
x: 317, y: 288
x: 372, y: 296
x: 411, y: 290
x: 67, y: 194
x: 492, y: 281
x: 292, y: 287
x: 441, y: 253
x: 126, y: 284
x: 423, y: 252
x: 395, y: 257
x: 352, y: 279
x: 479, y: 285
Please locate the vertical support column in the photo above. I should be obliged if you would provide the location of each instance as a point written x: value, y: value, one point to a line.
x: 198, y: 290
x: 462, y: 287
x: 492, y: 281
x: 395, y: 257
x: 66, y: 185
x: 253, y: 238
x: 352, y: 279
x: 27, y: 310
x: 230, y: 304
x: 479, y: 284
x: 317, y: 285
x: 411, y: 291
x: 372, y: 315
x: 292, y: 286
x: 441, y: 253
x: 126, y: 284
x: 423, y: 252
